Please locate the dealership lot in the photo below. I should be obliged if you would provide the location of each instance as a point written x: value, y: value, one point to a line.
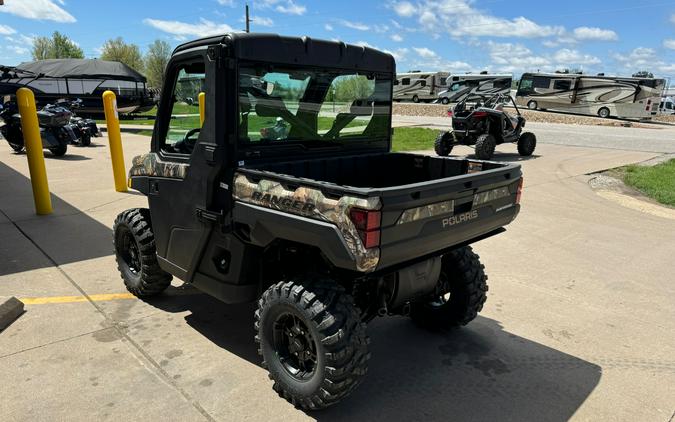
x: 578, y: 323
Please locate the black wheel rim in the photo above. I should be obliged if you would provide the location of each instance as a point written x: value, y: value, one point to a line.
x: 130, y: 252
x: 295, y: 346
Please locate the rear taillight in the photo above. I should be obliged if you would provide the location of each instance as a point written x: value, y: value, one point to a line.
x: 480, y: 114
x: 449, y: 113
x: 519, y: 192
x: 367, y: 223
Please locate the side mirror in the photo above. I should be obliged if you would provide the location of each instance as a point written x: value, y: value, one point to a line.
x: 269, y: 88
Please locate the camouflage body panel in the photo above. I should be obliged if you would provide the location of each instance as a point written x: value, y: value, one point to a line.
x: 427, y: 211
x: 151, y: 165
x: 312, y: 203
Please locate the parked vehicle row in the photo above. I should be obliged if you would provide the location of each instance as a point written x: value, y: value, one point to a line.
x: 59, y: 126
x: 604, y: 96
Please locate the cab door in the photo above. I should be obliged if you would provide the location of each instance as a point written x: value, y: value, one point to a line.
x: 185, y: 163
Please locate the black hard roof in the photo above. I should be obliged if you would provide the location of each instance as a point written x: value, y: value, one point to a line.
x: 82, y: 68
x: 304, y: 51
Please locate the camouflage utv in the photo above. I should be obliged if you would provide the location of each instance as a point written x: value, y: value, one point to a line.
x: 320, y: 224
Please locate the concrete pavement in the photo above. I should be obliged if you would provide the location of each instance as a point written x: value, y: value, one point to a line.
x: 578, y: 323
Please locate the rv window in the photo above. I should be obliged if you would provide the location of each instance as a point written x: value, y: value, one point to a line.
x: 525, y: 84
x: 405, y: 81
x: 501, y: 83
x: 541, y: 82
x: 455, y: 87
x: 423, y: 82
x: 563, y: 85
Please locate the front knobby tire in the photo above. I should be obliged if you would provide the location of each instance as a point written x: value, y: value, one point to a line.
x: 136, y: 255
x: 527, y: 142
x: 312, y: 340
x: 443, y: 144
x: 460, y: 294
x: 485, y: 146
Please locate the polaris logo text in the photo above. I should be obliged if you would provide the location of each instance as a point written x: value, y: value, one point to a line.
x: 280, y: 202
x: 459, y: 218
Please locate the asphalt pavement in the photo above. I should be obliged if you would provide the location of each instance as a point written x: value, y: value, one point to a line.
x: 578, y: 324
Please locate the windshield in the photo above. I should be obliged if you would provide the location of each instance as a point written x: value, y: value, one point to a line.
x: 307, y: 105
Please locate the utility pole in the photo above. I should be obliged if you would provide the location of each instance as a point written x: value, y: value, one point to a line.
x: 248, y: 20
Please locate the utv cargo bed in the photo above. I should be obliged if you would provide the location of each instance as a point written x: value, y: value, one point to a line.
x: 426, y: 204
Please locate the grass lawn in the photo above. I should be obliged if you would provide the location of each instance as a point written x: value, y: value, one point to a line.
x: 413, y: 139
x: 405, y: 138
x: 657, y: 182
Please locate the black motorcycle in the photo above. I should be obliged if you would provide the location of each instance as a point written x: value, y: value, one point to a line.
x: 84, y: 128
x: 55, y: 128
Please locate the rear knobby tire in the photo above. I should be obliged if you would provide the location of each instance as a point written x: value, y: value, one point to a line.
x: 464, y: 278
x: 527, y: 142
x: 136, y: 255
x: 442, y: 145
x: 332, y: 331
x: 485, y: 146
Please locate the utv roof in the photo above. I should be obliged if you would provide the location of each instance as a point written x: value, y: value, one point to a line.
x: 82, y: 69
x: 304, y: 51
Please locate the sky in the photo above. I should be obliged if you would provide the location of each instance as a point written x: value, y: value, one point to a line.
x: 616, y: 37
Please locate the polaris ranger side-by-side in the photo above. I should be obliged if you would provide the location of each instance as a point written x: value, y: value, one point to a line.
x: 319, y: 223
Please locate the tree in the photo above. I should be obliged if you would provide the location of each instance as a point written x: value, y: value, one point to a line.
x: 117, y: 50
x: 58, y: 46
x: 156, y: 59
x: 643, y: 74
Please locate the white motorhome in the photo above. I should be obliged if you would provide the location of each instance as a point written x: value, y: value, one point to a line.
x: 419, y: 86
x: 600, y: 95
x: 474, y: 86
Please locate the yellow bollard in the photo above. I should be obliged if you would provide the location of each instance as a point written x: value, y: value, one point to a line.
x: 36, y: 159
x: 112, y: 122
x: 202, y: 98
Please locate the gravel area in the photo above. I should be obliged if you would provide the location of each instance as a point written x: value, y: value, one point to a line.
x: 440, y: 110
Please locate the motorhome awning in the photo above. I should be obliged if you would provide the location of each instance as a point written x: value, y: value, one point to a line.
x: 82, y: 69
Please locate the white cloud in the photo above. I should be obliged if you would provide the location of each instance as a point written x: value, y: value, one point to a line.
x: 396, y: 38
x: 672, y: 18
x: 7, y: 30
x: 355, y: 25
x: 425, y: 52
x: 459, y: 18
x: 587, y: 33
x: 669, y: 43
x: 37, y: 9
x: 328, y: 27
x: 516, y: 58
x: 640, y: 56
x: 18, y: 50
x: 291, y: 8
x: 566, y: 58
x: 182, y: 29
x: 399, y: 54
x: 259, y: 20
x: 226, y: 2
x: 404, y: 8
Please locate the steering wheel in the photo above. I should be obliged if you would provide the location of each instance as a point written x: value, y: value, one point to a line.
x: 187, y: 144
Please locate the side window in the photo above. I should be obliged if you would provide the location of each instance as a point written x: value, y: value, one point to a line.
x: 405, y: 81
x: 185, y: 124
x: 423, y: 83
x: 562, y: 85
x: 541, y: 82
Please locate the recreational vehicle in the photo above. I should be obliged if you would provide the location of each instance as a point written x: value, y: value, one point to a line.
x: 604, y: 96
x: 474, y: 86
x: 419, y: 86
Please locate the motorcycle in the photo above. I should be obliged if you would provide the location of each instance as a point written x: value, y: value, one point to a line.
x: 55, y: 128
x: 84, y: 128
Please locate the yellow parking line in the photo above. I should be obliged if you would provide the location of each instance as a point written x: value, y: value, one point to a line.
x: 74, y: 299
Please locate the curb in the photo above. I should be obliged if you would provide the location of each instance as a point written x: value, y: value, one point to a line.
x: 10, y: 309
